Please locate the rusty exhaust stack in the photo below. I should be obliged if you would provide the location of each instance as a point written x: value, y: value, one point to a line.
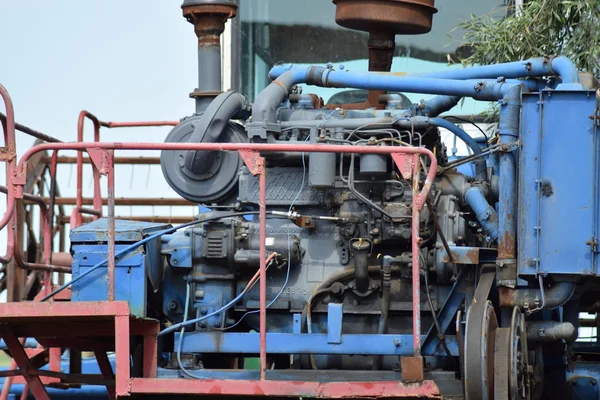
x: 208, y: 18
x: 383, y: 20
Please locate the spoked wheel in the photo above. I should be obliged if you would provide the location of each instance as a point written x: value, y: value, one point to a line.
x: 495, y: 359
x: 479, y: 353
x: 511, y: 373
x: 479, y: 341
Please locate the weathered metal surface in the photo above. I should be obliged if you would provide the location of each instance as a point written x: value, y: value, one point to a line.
x: 393, y: 16
x: 268, y: 388
x: 413, y: 369
x: 111, y: 230
x: 260, y: 167
x: 416, y: 251
x: 557, y: 218
x: 467, y: 255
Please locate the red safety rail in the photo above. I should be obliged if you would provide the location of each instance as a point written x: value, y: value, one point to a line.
x: 406, y: 158
x: 59, y: 324
x: 96, y: 210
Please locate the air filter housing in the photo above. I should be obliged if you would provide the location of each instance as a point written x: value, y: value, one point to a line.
x: 408, y: 17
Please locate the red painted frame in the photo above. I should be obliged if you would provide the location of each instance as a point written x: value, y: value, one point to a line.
x: 14, y: 315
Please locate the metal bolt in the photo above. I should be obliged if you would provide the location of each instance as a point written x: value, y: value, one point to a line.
x: 174, y: 261
x: 203, y: 310
x: 172, y: 305
x: 202, y: 324
x: 355, y: 303
x: 396, y: 342
x: 216, y: 324
x: 593, y: 382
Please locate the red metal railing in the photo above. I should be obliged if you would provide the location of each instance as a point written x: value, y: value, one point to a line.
x: 96, y: 211
x: 102, y: 158
x: 406, y: 158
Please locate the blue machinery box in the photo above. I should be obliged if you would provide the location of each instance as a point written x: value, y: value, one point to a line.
x: 89, y: 245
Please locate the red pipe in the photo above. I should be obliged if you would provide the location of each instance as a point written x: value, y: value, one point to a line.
x: 76, y: 213
x: 263, y: 265
x: 47, y: 237
x: 416, y: 266
x: 111, y: 227
x: 9, y: 153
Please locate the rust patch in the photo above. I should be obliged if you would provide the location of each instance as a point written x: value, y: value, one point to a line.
x: 546, y: 189
x: 7, y: 153
x: 506, y: 246
x: 506, y: 297
x: 412, y: 369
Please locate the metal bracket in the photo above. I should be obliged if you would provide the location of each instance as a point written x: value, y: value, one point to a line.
x: 510, y: 147
x: 101, y: 159
x: 405, y: 163
x: 253, y: 161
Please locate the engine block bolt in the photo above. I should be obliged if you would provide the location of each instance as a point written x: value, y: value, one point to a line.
x: 172, y: 305
x: 202, y: 324
x: 203, y: 310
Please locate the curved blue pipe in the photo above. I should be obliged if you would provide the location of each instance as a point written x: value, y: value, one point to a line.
x: 484, y: 212
x: 479, y: 164
x: 533, y: 68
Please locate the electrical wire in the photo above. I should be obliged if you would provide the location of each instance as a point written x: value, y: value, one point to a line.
x: 137, y: 244
x: 249, y: 286
x: 469, y: 122
x: 289, y: 266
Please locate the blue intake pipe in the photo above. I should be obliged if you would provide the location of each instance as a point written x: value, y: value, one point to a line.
x: 479, y: 164
x: 485, y: 213
x: 532, y: 68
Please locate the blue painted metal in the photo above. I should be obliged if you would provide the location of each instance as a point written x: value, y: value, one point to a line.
x: 130, y: 276
x: 319, y: 76
x: 534, y: 67
x: 583, y: 381
x: 335, y: 315
x: 178, y: 247
x: 88, y: 245
x: 125, y: 231
x: 297, y: 323
x: 485, y: 213
x: 557, y: 218
x: 303, y: 343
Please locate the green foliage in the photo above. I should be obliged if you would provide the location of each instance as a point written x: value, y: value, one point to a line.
x: 543, y: 27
